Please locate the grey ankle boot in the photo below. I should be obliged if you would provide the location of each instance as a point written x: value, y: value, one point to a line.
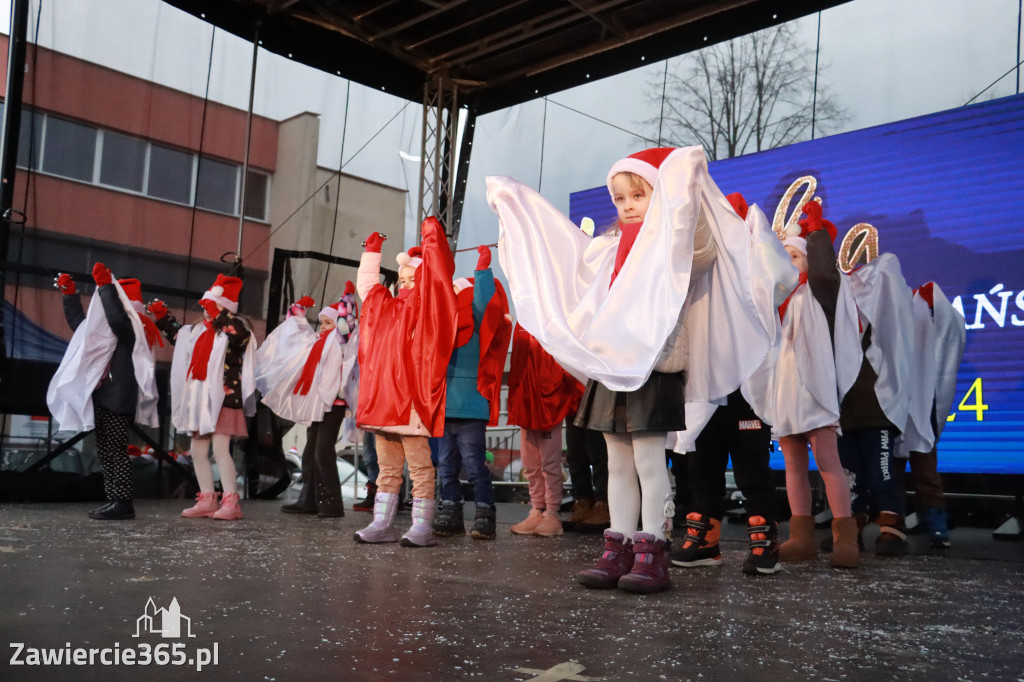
x: 421, y: 533
x: 381, y: 529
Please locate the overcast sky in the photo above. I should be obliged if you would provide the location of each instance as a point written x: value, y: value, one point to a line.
x: 884, y: 60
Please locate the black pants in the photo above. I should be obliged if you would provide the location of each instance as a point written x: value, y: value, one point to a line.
x: 733, y: 430
x: 321, y: 487
x: 587, y: 457
x: 867, y: 454
x: 112, y: 449
x: 678, y: 465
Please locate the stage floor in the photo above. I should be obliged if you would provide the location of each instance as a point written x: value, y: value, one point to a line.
x: 285, y: 597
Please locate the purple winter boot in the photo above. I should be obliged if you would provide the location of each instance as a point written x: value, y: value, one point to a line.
x: 421, y: 533
x: 381, y: 529
x: 615, y: 562
x: 650, y: 566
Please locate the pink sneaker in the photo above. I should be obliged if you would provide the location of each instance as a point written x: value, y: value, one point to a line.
x: 205, y: 506
x: 229, y: 509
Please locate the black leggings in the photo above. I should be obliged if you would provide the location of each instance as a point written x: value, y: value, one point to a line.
x: 112, y: 450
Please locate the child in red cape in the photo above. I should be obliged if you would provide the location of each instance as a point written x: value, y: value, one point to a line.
x: 406, y: 343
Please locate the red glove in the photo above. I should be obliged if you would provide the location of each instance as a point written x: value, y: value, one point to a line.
x: 65, y: 283
x: 350, y: 288
x: 211, y: 307
x: 101, y: 274
x: 484, y: 261
x: 157, y: 309
x: 305, y: 302
x: 374, y: 242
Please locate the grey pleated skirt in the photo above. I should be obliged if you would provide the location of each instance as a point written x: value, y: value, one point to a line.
x: 658, y: 405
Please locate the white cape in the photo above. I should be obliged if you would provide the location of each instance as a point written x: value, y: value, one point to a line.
x: 811, y: 374
x: 884, y: 299
x: 195, y: 405
x: 69, y: 395
x: 559, y: 281
x: 938, y: 345
x: 773, y: 278
x: 281, y: 359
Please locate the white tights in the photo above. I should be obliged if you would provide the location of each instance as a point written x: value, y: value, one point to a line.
x: 630, y: 455
x: 222, y: 453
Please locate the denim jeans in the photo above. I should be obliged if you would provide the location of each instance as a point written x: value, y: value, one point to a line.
x: 464, y: 444
x: 370, y: 456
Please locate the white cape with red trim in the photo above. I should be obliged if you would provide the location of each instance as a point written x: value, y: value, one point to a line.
x: 559, y: 281
x: 812, y: 375
x: 281, y: 359
x: 885, y: 301
x: 938, y: 345
x: 773, y: 279
x: 69, y: 395
x: 195, y: 404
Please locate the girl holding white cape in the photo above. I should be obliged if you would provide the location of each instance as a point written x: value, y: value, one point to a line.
x: 106, y: 378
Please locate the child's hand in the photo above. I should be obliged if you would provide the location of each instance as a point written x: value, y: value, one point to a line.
x: 374, y: 242
x: 211, y: 307
x: 484, y: 261
x: 157, y: 309
x: 101, y: 274
x: 65, y: 283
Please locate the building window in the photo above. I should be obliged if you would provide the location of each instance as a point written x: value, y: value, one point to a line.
x: 31, y: 129
x: 256, y: 195
x: 217, y: 186
x: 170, y: 174
x: 122, y: 161
x: 70, y: 149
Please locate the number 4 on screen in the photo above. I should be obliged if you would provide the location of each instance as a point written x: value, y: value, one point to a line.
x: 978, y: 406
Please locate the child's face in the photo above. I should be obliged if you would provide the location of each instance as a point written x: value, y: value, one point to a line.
x: 631, y: 197
x: 326, y: 323
x: 799, y: 259
x: 407, y: 277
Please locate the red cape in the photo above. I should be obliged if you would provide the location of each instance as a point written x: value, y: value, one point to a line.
x: 405, y: 345
x: 540, y: 392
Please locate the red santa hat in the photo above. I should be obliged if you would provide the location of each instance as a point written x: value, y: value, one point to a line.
x: 225, y: 291
x: 645, y: 164
x: 350, y: 288
x: 412, y: 257
x: 796, y: 235
x: 133, y: 290
x: 330, y: 312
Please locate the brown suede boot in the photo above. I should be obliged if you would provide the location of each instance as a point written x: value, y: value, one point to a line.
x: 800, y: 545
x: 845, y: 553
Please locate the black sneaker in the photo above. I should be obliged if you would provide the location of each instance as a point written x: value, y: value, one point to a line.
x: 483, y: 523
x: 115, y: 510
x: 700, y: 546
x: 764, y: 547
x: 448, y: 520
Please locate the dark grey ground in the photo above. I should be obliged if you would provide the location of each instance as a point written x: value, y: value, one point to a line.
x: 294, y: 598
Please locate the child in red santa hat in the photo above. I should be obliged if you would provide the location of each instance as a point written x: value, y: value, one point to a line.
x: 617, y: 317
x: 406, y: 342
x: 106, y: 378
x: 540, y: 396
x: 212, y: 390
x: 818, y: 362
x: 302, y: 380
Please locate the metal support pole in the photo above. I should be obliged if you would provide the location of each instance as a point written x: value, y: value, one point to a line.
x: 248, y: 142
x: 9, y: 138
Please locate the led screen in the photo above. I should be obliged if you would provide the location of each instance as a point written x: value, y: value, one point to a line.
x: 946, y: 194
